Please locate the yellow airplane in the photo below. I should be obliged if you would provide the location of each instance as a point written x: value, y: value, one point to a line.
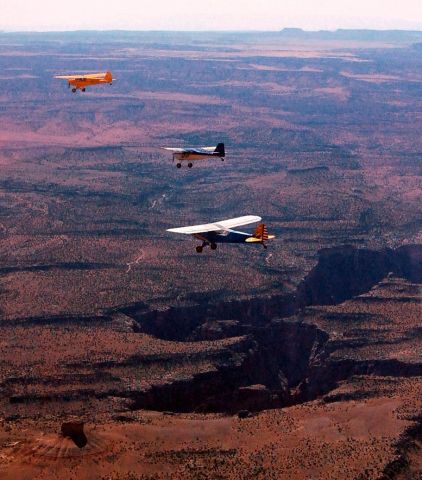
x: 80, y: 82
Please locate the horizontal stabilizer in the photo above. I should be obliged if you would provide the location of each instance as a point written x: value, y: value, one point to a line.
x: 260, y: 235
x: 258, y: 240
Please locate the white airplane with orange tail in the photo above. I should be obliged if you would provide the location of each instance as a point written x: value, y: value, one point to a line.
x: 222, y: 232
x: 80, y: 82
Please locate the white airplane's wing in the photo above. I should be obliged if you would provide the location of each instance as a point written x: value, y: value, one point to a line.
x: 238, y: 222
x: 217, y: 226
x: 207, y: 227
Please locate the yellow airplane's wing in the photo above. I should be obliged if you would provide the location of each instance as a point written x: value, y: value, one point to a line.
x: 66, y: 77
x: 95, y: 76
x: 92, y: 76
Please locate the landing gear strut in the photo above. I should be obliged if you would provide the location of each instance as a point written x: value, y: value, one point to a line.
x: 200, y: 248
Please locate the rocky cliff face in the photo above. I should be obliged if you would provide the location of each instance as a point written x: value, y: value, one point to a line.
x: 198, y: 322
x: 342, y: 273
x: 302, y: 357
x: 251, y: 354
x: 266, y: 372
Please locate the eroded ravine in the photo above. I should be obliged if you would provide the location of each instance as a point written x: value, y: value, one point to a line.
x: 250, y: 354
x: 284, y: 359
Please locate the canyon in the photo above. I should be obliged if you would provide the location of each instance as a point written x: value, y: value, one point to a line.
x: 126, y: 355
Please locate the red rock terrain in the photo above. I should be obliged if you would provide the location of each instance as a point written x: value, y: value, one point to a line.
x: 301, y: 361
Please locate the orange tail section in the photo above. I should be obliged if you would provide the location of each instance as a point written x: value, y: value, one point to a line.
x: 261, y: 232
x: 260, y: 235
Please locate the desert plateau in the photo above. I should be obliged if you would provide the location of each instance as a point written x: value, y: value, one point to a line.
x: 124, y: 354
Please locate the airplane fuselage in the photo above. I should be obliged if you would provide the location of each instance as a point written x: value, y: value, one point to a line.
x: 224, y: 237
x: 188, y: 156
x: 82, y: 83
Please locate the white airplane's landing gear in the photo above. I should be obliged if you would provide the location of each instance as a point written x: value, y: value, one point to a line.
x: 190, y: 165
x: 199, y: 249
x: 83, y: 89
x: 222, y: 159
x: 213, y: 246
x: 178, y: 165
x: 74, y: 90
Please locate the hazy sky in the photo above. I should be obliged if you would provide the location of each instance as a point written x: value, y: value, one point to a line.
x: 208, y: 14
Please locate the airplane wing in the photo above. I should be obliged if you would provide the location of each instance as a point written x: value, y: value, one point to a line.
x: 239, y: 221
x: 175, y: 150
x: 66, y: 77
x: 223, y: 225
x: 191, y: 150
x: 96, y: 76
x: 93, y: 76
x: 202, y: 150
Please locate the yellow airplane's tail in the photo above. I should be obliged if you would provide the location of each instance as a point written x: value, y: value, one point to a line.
x: 108, y: 77
x: 260, y: 235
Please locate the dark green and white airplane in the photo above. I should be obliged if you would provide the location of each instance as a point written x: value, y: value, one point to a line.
x: 191, y: 154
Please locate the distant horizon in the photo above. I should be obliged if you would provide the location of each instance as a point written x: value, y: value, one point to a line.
x: 251, y: 30
x: 207, y: 15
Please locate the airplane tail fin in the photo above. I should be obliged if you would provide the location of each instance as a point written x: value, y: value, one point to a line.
x: 261, y: 232
x: 260, y: 235
x: 220, y: 150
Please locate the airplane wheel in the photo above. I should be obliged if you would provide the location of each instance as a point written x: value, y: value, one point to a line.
x: 213, y: 246
x: 74, y: 90
x: 190, y: 165
x: 222, y: 159
x: 83, y: 89
x: 199, y: 249
x: 179, y: 165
